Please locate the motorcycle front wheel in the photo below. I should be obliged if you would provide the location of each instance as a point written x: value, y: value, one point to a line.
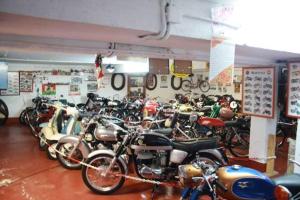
x: 96, y: 181
x: 66, y: 148
x: 50, y: 150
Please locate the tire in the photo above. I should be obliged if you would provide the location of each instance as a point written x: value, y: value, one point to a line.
x: 113, y: 81
x: 42, y: 145
x: 22, y: 117
x: 173, y: 84
x: 154, y: 79
x: 51, y: 154
x: 186, y: 85
x: 100, y: 190
x: 204, y: 86
x: 3, y: 112
x: 68, y: 164
x: 239, y: 144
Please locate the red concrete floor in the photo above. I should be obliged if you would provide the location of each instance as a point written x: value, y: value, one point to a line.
x: 35, y: 177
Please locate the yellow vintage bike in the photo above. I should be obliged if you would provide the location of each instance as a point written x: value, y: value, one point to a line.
x: 188, y: 84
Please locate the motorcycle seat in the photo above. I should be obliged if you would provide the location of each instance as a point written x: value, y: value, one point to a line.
x: 193, y: 146
x: 164, y: 131
x: 291, y: 182
x: 204, y: 109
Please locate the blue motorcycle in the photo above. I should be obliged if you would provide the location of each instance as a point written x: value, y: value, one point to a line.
x: 203, y: 181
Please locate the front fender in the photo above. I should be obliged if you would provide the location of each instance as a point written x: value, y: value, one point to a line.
x: 216, y: 154
x: 111, y: 153
x: 83, y: 146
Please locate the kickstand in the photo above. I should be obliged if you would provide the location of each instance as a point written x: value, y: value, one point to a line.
x: 153, y: 191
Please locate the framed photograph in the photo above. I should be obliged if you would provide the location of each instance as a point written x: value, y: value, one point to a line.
x: 92, y: 86
x: 258, y: 91
x: 74, y: 89
x: 26, y: 81
x: 49, y: 89
x: 13, y: 87
x: 293, y: 90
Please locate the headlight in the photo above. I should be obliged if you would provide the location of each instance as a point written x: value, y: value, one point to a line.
x: 282, y: 193
x: 88, y: 137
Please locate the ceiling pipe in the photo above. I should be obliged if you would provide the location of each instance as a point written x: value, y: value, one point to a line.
x: 164, y: 32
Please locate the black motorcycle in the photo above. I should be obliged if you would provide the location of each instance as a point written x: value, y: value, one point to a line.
x: 155, y: 157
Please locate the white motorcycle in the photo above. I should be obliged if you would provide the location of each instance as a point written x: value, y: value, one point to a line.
x: 57, y: 127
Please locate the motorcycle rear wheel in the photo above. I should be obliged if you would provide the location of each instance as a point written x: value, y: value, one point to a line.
x: 65, y: 148
x: 98, y: 183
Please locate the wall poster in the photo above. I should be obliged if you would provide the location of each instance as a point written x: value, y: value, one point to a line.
x: 26, y: 81
x: 163, y: 81
x: 3, y: 75
x: 258, y: 91
x: 92, y: 86
x: 49, y: 89
x: 13, y: 88
x: 293, y: 101
x: 74, y: 89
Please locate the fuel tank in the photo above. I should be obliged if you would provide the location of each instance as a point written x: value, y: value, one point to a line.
x: 152, y: 141
x: 245, y: 183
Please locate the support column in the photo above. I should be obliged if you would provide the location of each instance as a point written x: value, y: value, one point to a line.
x: 297, y: 150
x: 260, y: 130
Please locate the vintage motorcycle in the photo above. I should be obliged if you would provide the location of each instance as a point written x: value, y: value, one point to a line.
x: 56, y: 128
x: 98, y: 132
x: 154, y: 155
x: 202, y: 180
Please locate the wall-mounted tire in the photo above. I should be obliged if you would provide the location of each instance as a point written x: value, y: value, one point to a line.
x: 113, y: 81
x: 154, y: 79
x: 173, y: 85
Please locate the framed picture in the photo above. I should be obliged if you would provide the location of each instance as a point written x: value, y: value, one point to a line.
x: 293, y: 90
x: 258, y: 91
x: 26, y: 81
x: 49, y: 89
x: 92, y: 86
x: 13, y: 87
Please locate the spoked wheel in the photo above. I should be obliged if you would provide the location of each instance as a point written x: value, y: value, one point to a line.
x: 66, y: 148
x: 3, y: 112
x: 50, y: 150
x: 204, y: 86
x: 239, y: 144
x: 22, y: 117
x: 186, y: 85
x: 96, y: 180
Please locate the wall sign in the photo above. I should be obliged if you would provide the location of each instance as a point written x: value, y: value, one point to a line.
x: 293, y: 101
x: 3, y: 76
x: 258, y: 91
x: 13, y: 88
x: 26, y: 81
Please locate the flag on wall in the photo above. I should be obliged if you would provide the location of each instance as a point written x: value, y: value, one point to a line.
x: 99, y: 67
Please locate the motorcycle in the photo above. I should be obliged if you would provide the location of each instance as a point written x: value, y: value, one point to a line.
x: 56, y: 128
x: 97, y: 133
x: 202, y: 180
x: 154, y: 156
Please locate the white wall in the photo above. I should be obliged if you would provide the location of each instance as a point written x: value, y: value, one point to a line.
x: 17, y: 103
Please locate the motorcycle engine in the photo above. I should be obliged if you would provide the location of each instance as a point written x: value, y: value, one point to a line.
x: 151, y: 164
